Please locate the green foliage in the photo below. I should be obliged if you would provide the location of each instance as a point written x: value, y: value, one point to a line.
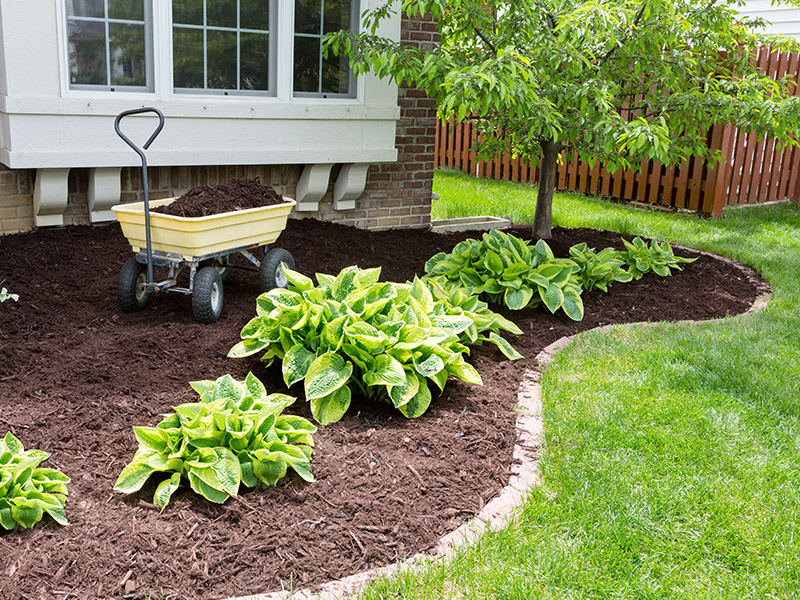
x: 507, y: 270
x: 6, y: 295
x: 615, y: 81
x: 598, y: 270
x: 235, y: 434
x: 27, y: 492
x: 385, y: 339
x: 654, y: 258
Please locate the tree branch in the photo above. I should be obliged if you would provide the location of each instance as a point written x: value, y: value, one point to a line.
x: 616, y: 46
x: 479, y: 33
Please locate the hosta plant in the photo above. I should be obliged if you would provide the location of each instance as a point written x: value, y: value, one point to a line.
x: 598, y: 270
x: 28, y: 492
x: 505, y: 269
x: 6, y: 295
x: 656, y: 258
x: 352, y: 332
x: 235, y: 434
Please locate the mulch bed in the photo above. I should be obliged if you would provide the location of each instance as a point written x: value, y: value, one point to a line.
x: 207, y: 200
x: 76, y: 374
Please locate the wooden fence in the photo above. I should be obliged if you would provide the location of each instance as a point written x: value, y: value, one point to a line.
x: 754, y: 170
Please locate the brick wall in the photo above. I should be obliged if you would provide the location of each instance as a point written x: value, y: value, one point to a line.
x: 16, y: 200
x: 396, y: 195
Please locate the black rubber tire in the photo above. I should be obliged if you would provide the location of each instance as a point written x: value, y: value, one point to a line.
x: 222, y: 265
x: 207, y: 295
x: 131, y: 295
x: 269, y: 273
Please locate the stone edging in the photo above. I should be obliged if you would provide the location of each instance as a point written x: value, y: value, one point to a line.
x: 525, y: 471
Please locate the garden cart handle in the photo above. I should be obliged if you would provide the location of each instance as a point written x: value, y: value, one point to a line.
x: 140, y: 152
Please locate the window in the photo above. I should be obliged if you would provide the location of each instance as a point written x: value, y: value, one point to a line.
x: 314, y: 75
x: 109, y: 44
x: 223, y: 46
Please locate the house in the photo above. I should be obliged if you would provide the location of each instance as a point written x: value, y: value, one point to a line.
x: 245, y: 90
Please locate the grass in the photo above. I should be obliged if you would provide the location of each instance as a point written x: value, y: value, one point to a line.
x: 672, y: 462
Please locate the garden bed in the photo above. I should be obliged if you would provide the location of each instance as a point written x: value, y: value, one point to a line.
x: 76, y: 374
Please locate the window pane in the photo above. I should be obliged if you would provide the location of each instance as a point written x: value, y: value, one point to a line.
x: 337, y: 15
x: 87, y: 52
x: 85, y: 8
x: 187, y: 12
x: 254, y: 53
x: 132, y: 10
x: 221, y: 60
x: 188, y: 58
x: 307, y: 15
x: 128, y: 65
x: 335, y: 75
x: 255, y: 14
x: 306, y: 64
x: 221, y: 13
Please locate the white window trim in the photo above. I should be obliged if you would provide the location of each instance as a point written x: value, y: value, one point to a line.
x: 220, y: 104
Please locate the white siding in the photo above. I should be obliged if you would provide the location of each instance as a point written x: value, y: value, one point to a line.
x: 783, y: 20
x: 47, y: 125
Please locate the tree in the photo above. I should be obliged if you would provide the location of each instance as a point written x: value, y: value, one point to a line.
x: 612, y: 80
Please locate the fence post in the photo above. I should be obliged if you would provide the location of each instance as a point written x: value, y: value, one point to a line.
x: 719, y: 176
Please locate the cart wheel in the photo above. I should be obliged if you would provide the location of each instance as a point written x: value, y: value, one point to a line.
x: 223, y: 265
x: 131, y: 293
x: 207, y: 295
x: 270, y: 274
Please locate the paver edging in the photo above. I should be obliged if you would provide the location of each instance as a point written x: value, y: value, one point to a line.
x: 525, y: 471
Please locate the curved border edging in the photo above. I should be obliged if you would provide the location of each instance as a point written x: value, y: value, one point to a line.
x: 525, y: 471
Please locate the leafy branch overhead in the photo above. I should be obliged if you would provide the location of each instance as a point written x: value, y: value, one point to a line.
x: 611, y: 80
x: 386, y: 340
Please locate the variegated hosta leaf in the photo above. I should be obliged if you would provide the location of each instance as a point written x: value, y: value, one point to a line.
x: 212, y: 443
x: 28, y: 492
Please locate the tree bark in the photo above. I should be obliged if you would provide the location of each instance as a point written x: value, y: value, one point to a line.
x: 543, y: 218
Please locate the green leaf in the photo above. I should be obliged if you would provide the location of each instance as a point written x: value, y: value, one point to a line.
x: 247, y: 347
x: 504, y: 347
x: 208, y: 492
x: 552, y: 297
x: 296, y: 363
x: 297, y: 281
x: 331, y: 408
x: 518, y: 299
x: 430, y: 366
x: 133, y: 476
x: 573, y: 305
x: 165, y: 490
x: 417, y: 405
x: 385, y: 371
x: 464, y: 371
x: 152, y: 437
x: 26, y: 512
x: 326, y: 374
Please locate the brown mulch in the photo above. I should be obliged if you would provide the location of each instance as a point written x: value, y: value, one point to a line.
x: 207, y: 200
x: 76, y: 374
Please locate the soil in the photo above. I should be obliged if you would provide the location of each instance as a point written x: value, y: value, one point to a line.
x: 236, y: 194
x: 76, y: 374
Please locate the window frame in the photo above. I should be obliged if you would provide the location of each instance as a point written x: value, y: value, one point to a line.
x: 149, y: 53
x: 272, y: 77
x: 159, y: 59
x: 352, y: 84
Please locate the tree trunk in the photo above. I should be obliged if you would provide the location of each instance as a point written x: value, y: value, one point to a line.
x: 543, y: 218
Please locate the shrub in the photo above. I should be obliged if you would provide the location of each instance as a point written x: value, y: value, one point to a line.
x: 507, y: 270
x: 385, y: 339
x: 642, y: 258
x: 235, y: 434
x: 26, y: 491
x: 598, y: 270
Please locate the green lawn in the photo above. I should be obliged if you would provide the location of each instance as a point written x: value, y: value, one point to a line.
x: 672, y: 463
